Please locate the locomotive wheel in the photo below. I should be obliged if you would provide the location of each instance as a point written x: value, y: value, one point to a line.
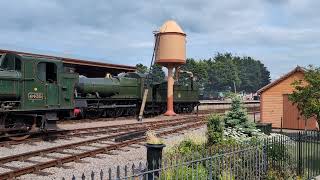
x: 93, y: 114
x: 119, y: 112
x: 177, y: 109
x: 190, y: 108
x: 22, y: 127
x: 110, y: 112
x: 113, y: 113
x: 132, y: 112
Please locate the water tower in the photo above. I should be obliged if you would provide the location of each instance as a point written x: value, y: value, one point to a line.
x: 170, y: 53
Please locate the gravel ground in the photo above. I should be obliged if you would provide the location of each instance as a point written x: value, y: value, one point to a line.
x: 125, y: 156
x: 22, y: 148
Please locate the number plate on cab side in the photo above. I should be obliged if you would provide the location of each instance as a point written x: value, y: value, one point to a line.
x: 35, y: 96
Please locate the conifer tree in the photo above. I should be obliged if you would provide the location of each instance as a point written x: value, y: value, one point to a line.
x: 237, y: 117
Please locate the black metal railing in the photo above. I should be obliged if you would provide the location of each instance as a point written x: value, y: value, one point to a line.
x: 291, y: 155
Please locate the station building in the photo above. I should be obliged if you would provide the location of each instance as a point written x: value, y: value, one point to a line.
x: 275, y: 106
x: 87, y: 68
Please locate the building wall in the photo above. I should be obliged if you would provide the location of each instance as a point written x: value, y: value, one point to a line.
x: 272, y: 100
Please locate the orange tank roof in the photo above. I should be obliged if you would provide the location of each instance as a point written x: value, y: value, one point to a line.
x: 170, y: 26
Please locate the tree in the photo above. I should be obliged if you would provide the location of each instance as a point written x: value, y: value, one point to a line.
x: 252, y: 73
x: 222, y: 73
x: 307, y: 94
x: 157, y: 75
x: 237, y: 117
x: 141, y: 68
x: 198, y: 68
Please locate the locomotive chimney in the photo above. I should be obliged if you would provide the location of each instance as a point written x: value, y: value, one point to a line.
x: 171, y: 53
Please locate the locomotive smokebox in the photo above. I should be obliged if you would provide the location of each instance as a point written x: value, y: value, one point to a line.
x: 171, y: 53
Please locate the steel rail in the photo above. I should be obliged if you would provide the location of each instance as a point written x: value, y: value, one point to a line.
x: 85, y: 131
x: 77, y: 156
x: 85, y: 142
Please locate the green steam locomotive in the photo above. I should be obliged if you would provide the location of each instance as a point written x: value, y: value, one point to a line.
x: 36, y: 92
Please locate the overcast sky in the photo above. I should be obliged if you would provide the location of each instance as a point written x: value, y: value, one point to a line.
x: 280, y: 33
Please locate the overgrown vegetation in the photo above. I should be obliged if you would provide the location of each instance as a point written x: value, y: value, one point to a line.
x: 185, y: 172
x: 224, y: 134
x: 152, y: 138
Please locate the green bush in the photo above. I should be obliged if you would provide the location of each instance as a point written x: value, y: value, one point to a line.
x: 185, y: 172
x: 225, y: 175
x: 238, y: 118
x: 279, y: 154
x: 215, y: 128
x: 282, y: 174
x: 188, y: 147
x: 191, y: 146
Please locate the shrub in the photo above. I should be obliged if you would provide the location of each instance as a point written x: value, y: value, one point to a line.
x: 238, y: 118
x: 185, y: 172
x: 193, y: 144
x: 225, y: 175
x: 238, y: 136
x: 282, y: 174
x: 215, y: 128
x: 280, y: 149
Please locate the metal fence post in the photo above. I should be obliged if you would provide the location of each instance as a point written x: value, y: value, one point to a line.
x: 281, y: 125
x: 101, y: 175
x: 265, y: 158
x: 109, y: 172
x: 299, y: 155
x: 210, y: 169
x: 118, y: 173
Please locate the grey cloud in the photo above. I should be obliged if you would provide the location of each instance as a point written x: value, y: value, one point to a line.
x: 116, y: 30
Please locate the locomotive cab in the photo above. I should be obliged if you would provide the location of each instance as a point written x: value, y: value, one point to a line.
x: 34, y: 91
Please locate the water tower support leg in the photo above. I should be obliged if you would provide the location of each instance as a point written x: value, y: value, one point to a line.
x: 170, y: 111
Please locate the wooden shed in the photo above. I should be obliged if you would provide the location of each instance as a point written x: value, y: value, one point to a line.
x: 275, y: 106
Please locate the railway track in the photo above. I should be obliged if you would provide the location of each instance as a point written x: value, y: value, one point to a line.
x: 96, y: 146
x: 200, y: 112
x: 83, y: 132
x: 60, y: 134
x: 39, y: 136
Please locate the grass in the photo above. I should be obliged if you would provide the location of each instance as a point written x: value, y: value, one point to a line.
x: 152, y: 138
